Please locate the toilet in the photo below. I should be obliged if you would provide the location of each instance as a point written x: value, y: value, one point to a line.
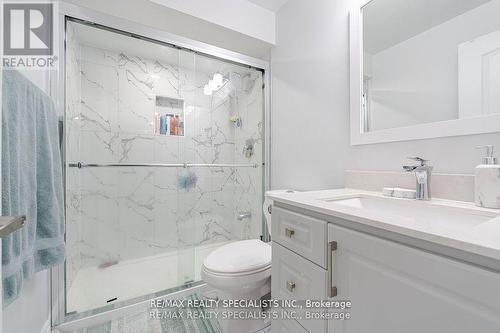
x: 241, y: 270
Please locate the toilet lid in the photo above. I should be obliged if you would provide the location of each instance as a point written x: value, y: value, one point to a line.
x: 238, y: 257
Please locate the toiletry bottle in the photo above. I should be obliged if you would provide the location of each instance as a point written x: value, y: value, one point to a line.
x: 487, y: 181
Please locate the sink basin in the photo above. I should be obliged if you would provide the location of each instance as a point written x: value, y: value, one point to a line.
x: 404, y: 212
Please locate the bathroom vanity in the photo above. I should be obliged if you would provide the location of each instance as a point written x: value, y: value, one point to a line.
x: 405, y: 265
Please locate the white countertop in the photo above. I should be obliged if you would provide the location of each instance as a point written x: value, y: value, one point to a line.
x: 481, y: 239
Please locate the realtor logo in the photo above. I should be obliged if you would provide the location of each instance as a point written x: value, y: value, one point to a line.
x: 28, y: 29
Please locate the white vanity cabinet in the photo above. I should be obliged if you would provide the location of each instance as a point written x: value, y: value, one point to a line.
x: 396, y: 288
x: 393, y: 288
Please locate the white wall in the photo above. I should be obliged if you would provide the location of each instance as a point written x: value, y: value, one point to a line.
x: 310, y: 65
x: 239, y: 15
x: 310, y: 96
x: 449, y: 155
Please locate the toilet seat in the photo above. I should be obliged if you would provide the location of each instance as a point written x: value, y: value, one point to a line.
x: 239, y: 258
x: 265, y: 269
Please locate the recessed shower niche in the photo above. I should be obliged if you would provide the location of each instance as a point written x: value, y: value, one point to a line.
x: 169, y: 116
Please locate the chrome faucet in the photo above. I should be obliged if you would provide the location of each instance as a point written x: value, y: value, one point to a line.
x: 423, y: 177
x: 244, y: 215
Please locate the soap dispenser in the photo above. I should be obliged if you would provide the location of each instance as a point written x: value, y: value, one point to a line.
x: 487, y: 180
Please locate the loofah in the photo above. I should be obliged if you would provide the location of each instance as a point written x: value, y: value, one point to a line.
x: 187, y: 179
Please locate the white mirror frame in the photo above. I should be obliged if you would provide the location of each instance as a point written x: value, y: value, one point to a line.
x: 467, y: 126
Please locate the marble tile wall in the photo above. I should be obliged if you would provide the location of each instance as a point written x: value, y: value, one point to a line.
x: 117, y: 214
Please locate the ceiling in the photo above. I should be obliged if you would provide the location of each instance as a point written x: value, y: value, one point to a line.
x: 389, y: 22
x: 272, y: 5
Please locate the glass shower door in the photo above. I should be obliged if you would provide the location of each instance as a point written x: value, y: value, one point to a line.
x: 126, y: 100
x: 164, y: 155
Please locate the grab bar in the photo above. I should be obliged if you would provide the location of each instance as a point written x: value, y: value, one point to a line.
x: 80, y: 165
x: 9, y: 224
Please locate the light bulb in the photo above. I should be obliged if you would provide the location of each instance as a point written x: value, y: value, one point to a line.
x: 212, y: 84
x: 206, y: 90
x: 218, y: 79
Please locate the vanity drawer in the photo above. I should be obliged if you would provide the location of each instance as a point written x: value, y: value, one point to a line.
x: 302, y: 234
x: 295, y: 278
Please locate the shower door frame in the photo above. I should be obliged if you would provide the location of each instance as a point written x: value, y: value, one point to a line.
x: 89, y: 16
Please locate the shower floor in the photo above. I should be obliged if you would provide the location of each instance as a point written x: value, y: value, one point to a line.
x: 93, y: 287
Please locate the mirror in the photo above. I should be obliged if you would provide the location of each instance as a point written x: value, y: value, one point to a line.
x: 426, y: 62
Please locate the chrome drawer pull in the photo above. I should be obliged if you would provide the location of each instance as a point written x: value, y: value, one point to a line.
x: 332, y: 290
x: 289, y: 232
x: 290, y: 286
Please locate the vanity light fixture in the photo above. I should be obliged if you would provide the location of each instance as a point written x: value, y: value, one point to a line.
x: 218, y: 79
x: 207, y: 90
x: 213, y: 85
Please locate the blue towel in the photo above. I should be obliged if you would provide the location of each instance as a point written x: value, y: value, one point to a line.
x: 32, y: 182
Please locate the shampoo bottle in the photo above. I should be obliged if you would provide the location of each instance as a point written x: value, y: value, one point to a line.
x: 487, y: 181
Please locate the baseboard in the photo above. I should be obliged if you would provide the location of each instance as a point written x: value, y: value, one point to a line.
x: 46, y: 327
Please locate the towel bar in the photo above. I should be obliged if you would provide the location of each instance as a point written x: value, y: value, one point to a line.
x: 9, y: 224
x: 80, y: 165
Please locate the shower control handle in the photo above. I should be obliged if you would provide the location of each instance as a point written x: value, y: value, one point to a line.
x: 244, y: 215
x: 289, y: 232
x: 290, y: 286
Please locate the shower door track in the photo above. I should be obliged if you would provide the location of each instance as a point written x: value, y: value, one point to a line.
x: 81, y: 165
x: 120, y: 25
